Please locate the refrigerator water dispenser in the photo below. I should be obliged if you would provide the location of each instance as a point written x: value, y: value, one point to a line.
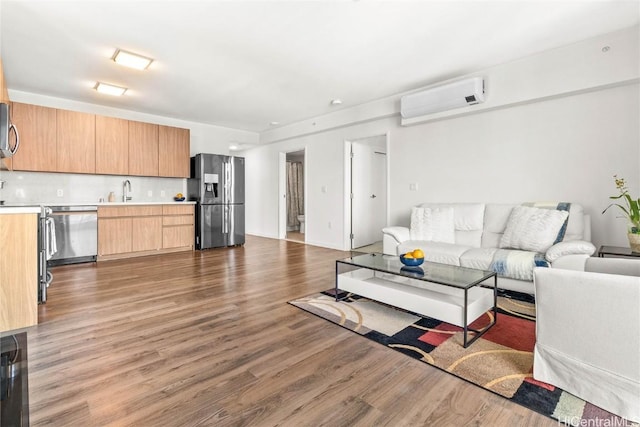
x: 211, y: 183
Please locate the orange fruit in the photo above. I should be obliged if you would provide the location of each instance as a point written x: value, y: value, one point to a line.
x: 417, y: 253
x: 408, y: 255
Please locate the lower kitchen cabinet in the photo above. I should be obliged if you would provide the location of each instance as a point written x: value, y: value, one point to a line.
x: 18, y: 271
x: 114, y: 236
x: 138, y: 230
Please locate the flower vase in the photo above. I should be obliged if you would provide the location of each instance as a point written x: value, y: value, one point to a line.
x: 634, y: 241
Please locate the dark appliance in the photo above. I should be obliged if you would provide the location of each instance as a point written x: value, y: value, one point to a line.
x: 14, y: 383
x: 217, y: 185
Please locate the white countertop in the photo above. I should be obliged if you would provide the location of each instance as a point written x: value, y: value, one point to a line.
x: 37, y: 205
x: 19, y: 210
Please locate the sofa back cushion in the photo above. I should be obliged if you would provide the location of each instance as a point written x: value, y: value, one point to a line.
x: 432, y: 224
x: 497, y: 215
x: 468, y: 220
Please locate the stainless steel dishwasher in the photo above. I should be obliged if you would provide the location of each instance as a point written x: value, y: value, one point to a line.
x: 76, y: 234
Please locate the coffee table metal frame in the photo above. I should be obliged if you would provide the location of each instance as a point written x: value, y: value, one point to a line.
x: 388, y: 264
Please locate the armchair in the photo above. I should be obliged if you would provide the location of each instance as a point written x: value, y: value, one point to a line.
x: 588, y: 333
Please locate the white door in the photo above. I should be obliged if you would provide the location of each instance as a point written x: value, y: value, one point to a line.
x: 368, y: 194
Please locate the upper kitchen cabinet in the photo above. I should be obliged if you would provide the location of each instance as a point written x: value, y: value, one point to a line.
x: 173, y: 152
x: 37, y: 127
x: 143, y: 149
x: 4, y: 93
x: 112, y: 145
x: 76, y: 137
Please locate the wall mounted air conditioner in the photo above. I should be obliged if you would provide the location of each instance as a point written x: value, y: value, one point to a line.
x: 441, y: 98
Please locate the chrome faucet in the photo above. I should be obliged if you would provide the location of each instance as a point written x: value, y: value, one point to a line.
x: 126, y: 184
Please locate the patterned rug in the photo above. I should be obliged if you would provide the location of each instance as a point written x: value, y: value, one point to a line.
x: 500, y: 361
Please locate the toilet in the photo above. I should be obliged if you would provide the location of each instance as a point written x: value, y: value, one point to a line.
x: 301, y: 219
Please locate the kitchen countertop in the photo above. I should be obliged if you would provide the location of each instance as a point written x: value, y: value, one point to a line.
x: 37, y: 205
x: 19, y: 209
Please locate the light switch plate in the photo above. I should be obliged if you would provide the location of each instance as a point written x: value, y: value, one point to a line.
x: 150, y: 193
x: 60, y: 192
x: 162, y: 193
x: 413, y: 186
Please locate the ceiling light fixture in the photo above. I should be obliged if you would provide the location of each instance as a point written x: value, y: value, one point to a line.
x: 233, y: 147
x: 336, y: 101
x: 110, y: 89
x: 131, y: 60
x: 274, y: 123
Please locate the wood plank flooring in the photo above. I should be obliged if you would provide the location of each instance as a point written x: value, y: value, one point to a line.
x: 208, y: 339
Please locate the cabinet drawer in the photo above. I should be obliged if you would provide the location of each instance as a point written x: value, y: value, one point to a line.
x: 115, y: 211
x: 177, y: 220
x: 177, y: 209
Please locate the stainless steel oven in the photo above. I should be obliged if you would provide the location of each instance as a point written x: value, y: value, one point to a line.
x: 46, y: 246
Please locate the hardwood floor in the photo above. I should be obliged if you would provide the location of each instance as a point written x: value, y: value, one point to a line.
x: 208, y: 339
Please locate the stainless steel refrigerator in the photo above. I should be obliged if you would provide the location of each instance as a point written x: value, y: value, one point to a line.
x: 217, y: 185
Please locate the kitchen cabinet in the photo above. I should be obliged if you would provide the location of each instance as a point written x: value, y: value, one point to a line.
x: 173, y: 152
x: 143, y: 149
x: 178, y: 226
x: 37, y: 127
x: 131, y: 231
x: 76, y: 142
x: 112, y: 146
x: 4, y: 93
x: 147, y: 233
x: 114, y: 235
x: 18, y: 270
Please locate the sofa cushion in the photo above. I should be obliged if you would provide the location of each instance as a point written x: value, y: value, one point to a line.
x: 468, y: 221
x: 444, y: 253
x: 496, y: 217
x: 478, y: 258
x: 517, y: 264
x: 532, y: 229
x: 433, y: 224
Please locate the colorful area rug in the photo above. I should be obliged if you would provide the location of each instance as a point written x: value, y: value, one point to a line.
x: 500, y: 361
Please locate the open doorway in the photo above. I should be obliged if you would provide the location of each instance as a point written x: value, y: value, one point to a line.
x: 368, y: 193
x: 293, y: 210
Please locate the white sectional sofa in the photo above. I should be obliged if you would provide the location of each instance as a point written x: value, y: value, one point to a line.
x: 476, y: 240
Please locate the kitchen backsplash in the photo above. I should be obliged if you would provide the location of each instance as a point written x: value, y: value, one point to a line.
x: 51, y: 188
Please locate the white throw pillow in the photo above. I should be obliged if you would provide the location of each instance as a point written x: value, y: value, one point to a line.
x: 432, y: 224
x: 532, y: 229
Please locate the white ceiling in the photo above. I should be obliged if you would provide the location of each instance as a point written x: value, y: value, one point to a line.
x: 244, y: 64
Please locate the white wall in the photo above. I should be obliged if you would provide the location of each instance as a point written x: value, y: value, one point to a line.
x: 560, y: 143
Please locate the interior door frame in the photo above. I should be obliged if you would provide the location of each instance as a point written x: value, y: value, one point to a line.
x: 282, y: 191
x: 347, y: 186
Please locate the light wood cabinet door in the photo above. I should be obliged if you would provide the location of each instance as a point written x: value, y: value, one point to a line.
x: 114, y: 236
x: 37, y: 127
x: 76, y: 142
x: 18, y: 271
x: 4, y: 93
x: 143, y: 149
x: 180, y: 236
x: 173, y: 152
x: 147, y: 233
x: 112, y: 146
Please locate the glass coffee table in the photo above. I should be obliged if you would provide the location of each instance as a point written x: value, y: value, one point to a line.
x: 445, y: 292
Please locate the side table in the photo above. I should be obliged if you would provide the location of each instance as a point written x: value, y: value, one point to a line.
x: 617, y: 251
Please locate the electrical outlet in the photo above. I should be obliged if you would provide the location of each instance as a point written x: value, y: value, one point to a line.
x: 162, y: 193
x: 60, y: 192
x: 149, y: 193
x: 413, y: 186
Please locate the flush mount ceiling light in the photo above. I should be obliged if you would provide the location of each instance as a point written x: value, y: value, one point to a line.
x: 274, y: 123
x: 110, y: 89
x: 131, y: 60
x: 336, y: 101
x: 233, y: 147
